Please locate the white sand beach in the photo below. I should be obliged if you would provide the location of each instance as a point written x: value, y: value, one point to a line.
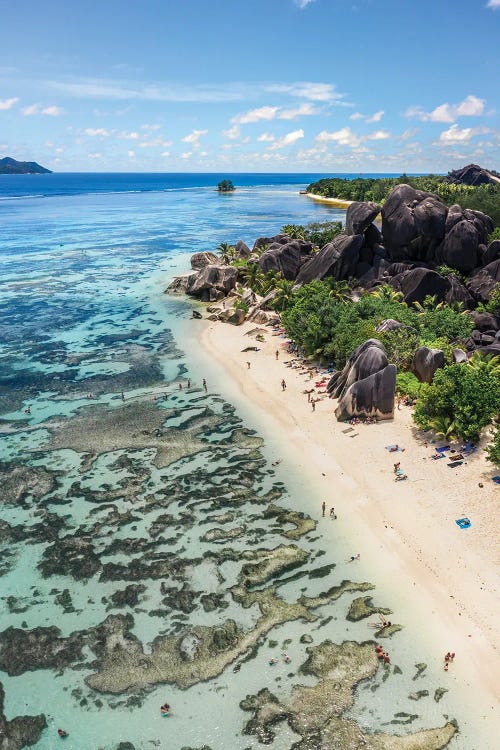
x: 444, y: 579
x: 334, y: 202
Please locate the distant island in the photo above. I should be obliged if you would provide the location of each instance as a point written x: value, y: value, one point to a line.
x: 12, y: 166
x: 225, y: 186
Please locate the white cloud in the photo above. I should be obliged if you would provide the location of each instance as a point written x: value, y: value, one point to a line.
x: 131, y: 153
x: 254, y: 115
x: 37, y: 109
x: 194, y: 137
x: 376, y: 117
x: 458, y: 135
x: 52, y: 111
x: 133, y: 136
x: 96, y: 131
x: 495, y: 4
x: 303, y: 3
x: 186, y: 154
x: 346, y: 137
x: 94, y: 156
x: 287, y: 139
x: 150, y: 127
x: 8, y: 103
x: 166, y: 153
x: 232, y: 133
x: 302, y: 109
x: 266, y: 138
x: 154, y: 143
x: 471, y: 106
x: 317, y: 92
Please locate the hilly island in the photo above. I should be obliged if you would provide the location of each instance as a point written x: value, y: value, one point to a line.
x: 8, y: 165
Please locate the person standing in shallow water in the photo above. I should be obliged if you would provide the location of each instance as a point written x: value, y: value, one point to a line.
x: 323, y: 507
x: 332, y: 513
x: 205, y: 385
x: 283, y: 385
x: 277, y: 354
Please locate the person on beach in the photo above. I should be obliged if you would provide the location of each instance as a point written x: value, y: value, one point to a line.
x: 27, y: 410
x: 332, y: 513
x: 396, y: 467
x: 248, y: 365
x: 323, y: 507
x: 277, y: 354
x: 283, y: 385
x: 180, y: 386
x: 123, y: 396
x: 205, y: 385
x: 313, y: 404
x: 189, y: 383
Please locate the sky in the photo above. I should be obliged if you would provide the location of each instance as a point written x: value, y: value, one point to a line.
x: 251, y: 85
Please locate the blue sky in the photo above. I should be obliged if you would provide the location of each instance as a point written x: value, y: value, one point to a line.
x: 251, y: 85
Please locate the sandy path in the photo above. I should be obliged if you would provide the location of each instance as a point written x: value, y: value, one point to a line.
x: 445, y: 578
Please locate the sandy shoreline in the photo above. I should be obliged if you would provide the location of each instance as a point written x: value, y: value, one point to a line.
x: 445, y: 578
x: 334, y: 202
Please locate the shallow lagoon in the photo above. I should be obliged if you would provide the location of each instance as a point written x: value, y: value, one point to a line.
x: 121, y: 492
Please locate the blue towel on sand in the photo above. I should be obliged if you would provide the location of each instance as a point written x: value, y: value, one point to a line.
x: 496, y: 479
x: 392, y: 448
x: 443, y: 448
x: 463, y: 523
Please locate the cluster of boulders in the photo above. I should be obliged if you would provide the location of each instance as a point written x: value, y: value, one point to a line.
x: 366, y: 386
x: 416, y: 236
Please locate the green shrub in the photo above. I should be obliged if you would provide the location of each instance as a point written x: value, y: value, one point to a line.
x: 407, y: 384
x: 240, y: 305
x: 493, y: 449
x: 495, y: 235
x: 493, y: 304
x: 460, y: 402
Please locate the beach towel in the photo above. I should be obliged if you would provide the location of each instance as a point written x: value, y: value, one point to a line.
x: 455, y: 463
x: 443, y: 448
x: 355, y: 434
x: 392, y: 448
x: 439, y: 455
x: 463, y: 523
x: 496, y: 479
x: 456, y: 457
x: 349, y: 429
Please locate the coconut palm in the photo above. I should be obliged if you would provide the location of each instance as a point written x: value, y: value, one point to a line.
x: 487, y: 363
x: 386, y: 293
x: 340, y: 291
x: 227, y: 253
x: 251, y: 276
x: 430, y: 303
x: 284, y: 294
x: 443, y: 426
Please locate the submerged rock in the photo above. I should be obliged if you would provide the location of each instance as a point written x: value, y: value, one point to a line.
x: 20, y: 732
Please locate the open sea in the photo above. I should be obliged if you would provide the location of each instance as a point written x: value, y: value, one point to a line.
x: 149, y: 550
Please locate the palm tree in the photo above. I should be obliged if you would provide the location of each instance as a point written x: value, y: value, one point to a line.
x: 226, y: 252
x: 443, y: 426
x: 340, y: 291
x: 429, y: 304
x: 487, y: 363
x: 251, y: 275
x: 386, y: 293
x: 294, y: 231
x: 284, y: 294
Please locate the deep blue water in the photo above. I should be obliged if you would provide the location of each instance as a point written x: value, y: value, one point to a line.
x: 86, y: 182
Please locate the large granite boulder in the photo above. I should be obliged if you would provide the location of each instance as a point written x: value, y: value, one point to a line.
x: 459, y: 356
x: 366, y: 359
x: 466, y: 232
x: 285, y: 258
x: 458, y: 292
x: 337, y: 259
x: 413, y: 223
x: 473, y: 174
x: 212, y: 282
x: 388, y: 325
x: 420, y: 283
x: 373, y: 238
x: 492, y: 253
x: 371, y: 397
x: 484, y: 281
x: 425, y: 363
x: 180, y: 284
x: 260, y: 242
x: 200, y: 260
x: 242, y: 250
x: 485, y: 322
x: 359, y: 216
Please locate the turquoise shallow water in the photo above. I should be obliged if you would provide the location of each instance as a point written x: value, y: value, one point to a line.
x: 119, y: 490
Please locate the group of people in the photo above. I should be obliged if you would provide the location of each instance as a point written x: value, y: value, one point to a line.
x: 332, y: 510
x: 285, y: 657
x: 398, y: 471
x: 382, y: 655
x: 362, y: 420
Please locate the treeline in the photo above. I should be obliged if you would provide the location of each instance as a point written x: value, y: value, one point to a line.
x: 485, y: 198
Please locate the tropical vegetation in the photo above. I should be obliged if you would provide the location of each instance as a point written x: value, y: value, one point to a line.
x: 225, y: 186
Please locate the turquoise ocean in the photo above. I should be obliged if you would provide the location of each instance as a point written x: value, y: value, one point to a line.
x: 127, y: 504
